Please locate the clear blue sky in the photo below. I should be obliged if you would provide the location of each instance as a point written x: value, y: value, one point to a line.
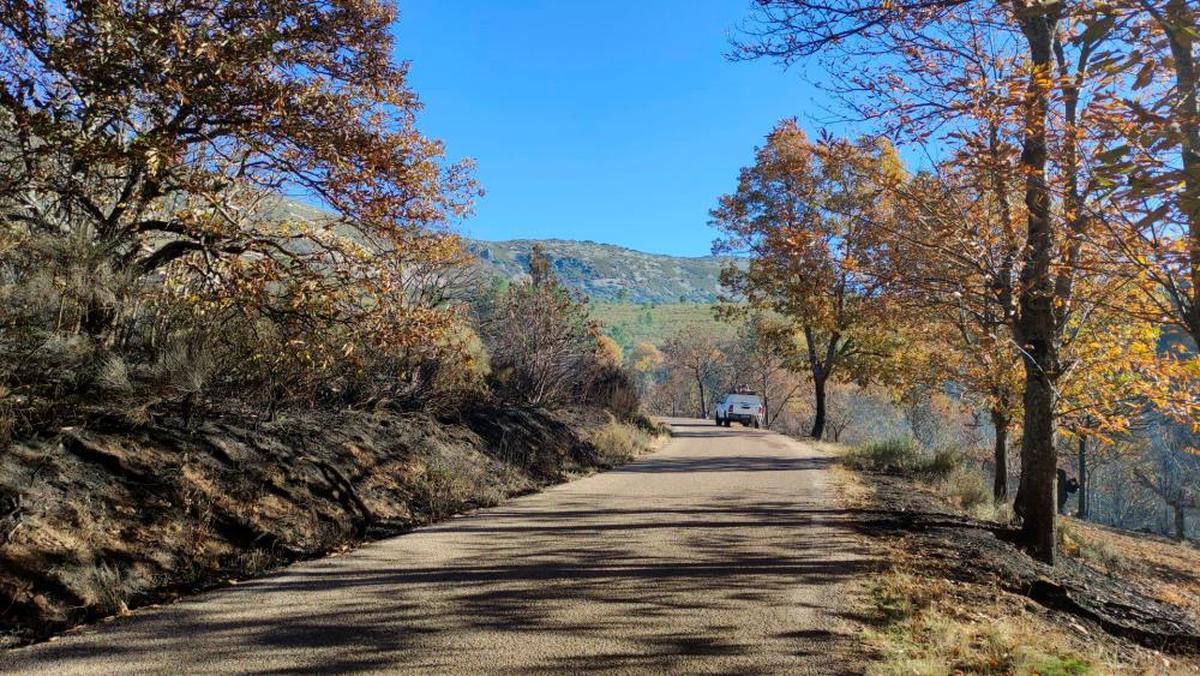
x: 618, y: 121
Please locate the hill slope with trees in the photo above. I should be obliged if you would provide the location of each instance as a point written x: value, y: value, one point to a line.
x: 608, y: 273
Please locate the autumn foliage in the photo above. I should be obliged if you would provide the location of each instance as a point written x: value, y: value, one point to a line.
x: 1051, y: 238
x: 144, y: 247
x: 804, y: 216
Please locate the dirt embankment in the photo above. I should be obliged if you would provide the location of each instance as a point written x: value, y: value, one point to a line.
x: 94, y: 521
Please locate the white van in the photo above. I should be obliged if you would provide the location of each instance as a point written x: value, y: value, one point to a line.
x: 743, y: 407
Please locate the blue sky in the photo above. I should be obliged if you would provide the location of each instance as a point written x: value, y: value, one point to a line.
x: 611, y: 120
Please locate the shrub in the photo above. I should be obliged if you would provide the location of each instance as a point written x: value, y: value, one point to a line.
x: 77, y: 340
x: 968, y: 489
x: 944, y: 462
x: 896, y: 454
x: 541, y: 342
x: 613, y: 389
x: 546, y: 350
x: 620, y: 443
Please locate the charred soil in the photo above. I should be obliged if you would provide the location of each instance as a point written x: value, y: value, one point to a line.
x: 98, y: 519
x: 1110, y: 611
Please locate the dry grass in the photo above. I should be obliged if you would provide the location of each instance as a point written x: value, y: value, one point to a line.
x: 935, y: 626
x: 926, y: 623
x: 444, y: 485
x: 1169, y: 570
x: 944, y: 469
x: 619, y: 442
x: 968, y: 490
x: 103, y: 586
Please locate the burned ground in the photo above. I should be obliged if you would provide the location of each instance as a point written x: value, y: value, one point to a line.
x: 1100, y: 607
x: 100, y: 518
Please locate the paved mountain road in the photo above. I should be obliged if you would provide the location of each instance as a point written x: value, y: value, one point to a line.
x: 723, y: 552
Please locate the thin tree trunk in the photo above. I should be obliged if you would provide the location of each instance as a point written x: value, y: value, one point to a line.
x: 703, y: 408
x: 766, y: 403
x: 1036, y: 326
x: 1083, y: 478
x: 818, y: 428
x: 1180, y: 521
x: 1000, y: 456
x: 782, y: 405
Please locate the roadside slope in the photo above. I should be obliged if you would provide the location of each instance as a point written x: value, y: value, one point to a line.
x: 721, y: 552
x: 94, y: 520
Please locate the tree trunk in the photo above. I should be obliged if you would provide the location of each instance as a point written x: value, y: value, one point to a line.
x: 766, y: 403
x: 1000, y: 456
x: 1083, y: 479
x: 1180, y: 521
x: 1179, y: 24
x: 1037, y: 496
x: 818, y: 428
x: 1036, y: 326
x: 703, y: 408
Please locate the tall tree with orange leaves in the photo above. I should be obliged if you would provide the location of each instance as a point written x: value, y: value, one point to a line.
x: 927, y: 86
x: 802, y: 217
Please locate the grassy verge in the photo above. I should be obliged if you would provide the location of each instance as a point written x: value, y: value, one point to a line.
x: 935, y: 626
x: 926, y: 620
x: 942, y: 468
x: 619, y: 442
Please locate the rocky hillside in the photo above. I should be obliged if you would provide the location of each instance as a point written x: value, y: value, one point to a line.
x: 605, y: 272
x: 611, y: 273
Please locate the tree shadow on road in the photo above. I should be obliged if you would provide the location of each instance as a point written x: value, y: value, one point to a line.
x: 642, y: 588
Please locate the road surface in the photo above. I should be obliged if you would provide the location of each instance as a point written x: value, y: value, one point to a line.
x: 723, y: 552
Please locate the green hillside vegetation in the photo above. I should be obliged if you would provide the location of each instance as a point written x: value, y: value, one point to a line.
x: 608, y: 273
x: 630, y: 324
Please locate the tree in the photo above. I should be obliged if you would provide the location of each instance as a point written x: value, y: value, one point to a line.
x: 1153, y: 165
x: 692, y: 354
x: 151, y: 144
x: 541, y: 269
x: 645, y: 361
x: 609, y: 353
x: 801, y: 215
x: 1108, y: 384
x: 953, y: 262
x: 763, y: 355
x: 169, y: 167
x: 1170, y: 471
x: 931, y: 77
x: 542, y: 342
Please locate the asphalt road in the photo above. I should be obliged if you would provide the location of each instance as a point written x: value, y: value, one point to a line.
x: 722, y: 552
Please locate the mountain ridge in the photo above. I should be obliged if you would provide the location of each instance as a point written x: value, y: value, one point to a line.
x: 604, y: 272
x: 609, y: 272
